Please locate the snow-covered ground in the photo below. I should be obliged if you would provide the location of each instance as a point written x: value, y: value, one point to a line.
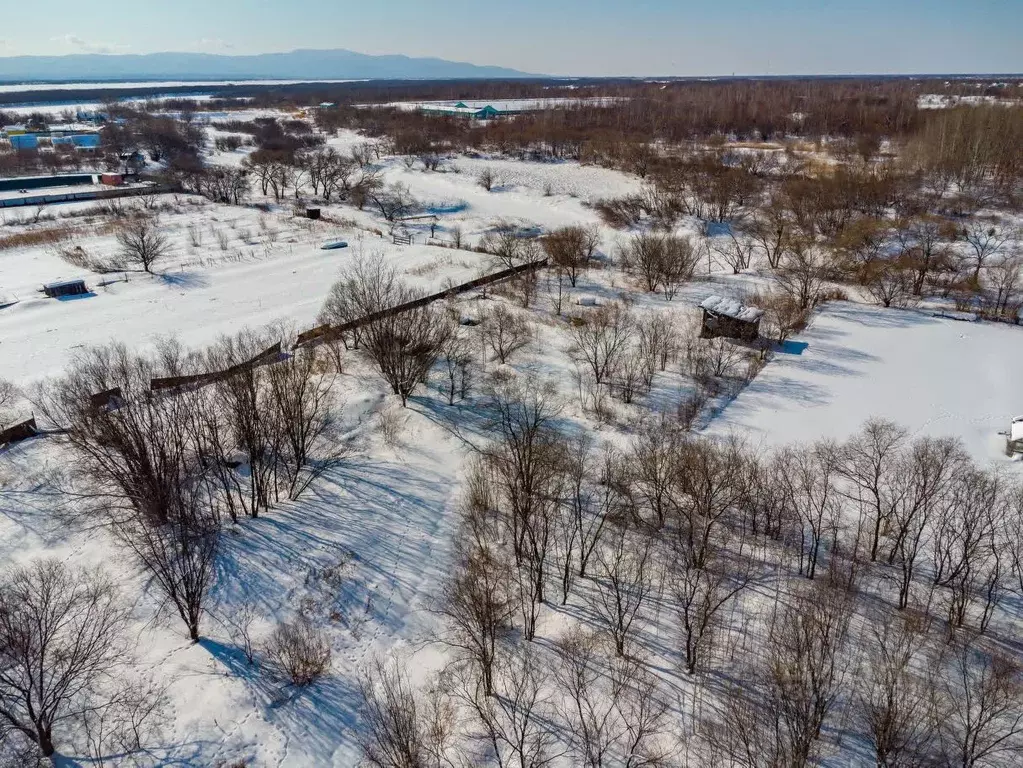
x: 933, y: 375
x: 385, y: 519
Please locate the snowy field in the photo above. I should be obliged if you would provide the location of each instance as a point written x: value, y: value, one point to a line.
x: 933, y: 375
x: 385, y: 520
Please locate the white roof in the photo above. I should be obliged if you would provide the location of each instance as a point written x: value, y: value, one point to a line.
x: 731, y: 308
x: 1016, y: 432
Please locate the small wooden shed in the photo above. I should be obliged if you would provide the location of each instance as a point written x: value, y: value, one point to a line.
x: 729, y: 318
x: 18, y: 432
x: 65, y: 288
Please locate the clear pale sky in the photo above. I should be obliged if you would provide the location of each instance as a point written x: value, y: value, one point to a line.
x: 559, y: 37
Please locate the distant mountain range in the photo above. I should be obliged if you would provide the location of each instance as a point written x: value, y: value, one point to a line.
x: 296, y: 65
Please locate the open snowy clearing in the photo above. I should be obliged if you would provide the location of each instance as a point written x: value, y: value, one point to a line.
x: 933, y: 375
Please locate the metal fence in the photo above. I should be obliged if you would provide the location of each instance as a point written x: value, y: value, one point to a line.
x: 90, y: 194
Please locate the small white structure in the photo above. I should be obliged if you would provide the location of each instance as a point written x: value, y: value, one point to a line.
x: 1014, y: 437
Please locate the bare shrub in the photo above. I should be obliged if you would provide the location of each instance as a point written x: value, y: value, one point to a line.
x: 486, y: 179
x: 194, y: 236
x: 620, y: 212
x: 572, y: 249
x: 662, y: 261
x: 392, y: 427
x: 783, y: 315
x: 223, y: 238
x: 77, y: 256
x: 890, y: 285
x: 298, y: 652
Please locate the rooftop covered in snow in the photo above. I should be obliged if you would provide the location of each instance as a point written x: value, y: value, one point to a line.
x: 731, y: 308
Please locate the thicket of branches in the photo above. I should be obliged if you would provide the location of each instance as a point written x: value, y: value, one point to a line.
x: 162, y: 469
x: 893, y: 562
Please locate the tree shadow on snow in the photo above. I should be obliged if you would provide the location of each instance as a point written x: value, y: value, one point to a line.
x: 183, y: 280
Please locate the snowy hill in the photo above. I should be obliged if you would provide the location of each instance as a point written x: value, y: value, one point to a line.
x: 302, y: 64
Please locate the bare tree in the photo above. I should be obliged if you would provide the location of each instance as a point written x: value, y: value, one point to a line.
x: 703, y: 584
x: 1004, y: 282
x: 869, y: 460
x: 895, y: 702
x: 810, y: 475
x: 395, y: 202
x: 514, y: 723
x: 925, y: 475
x: 8, y: 396
x: 478, y: 609
x: 601, y: 340
x: 983, y: 715
x: 617, y: 714
x: 402, y: 728
x: 807, y: 669
x: 404, y: 344
x: 571, y: 249
x: 985, y: 241
x: 623, y: 586
x: 924, y: 241
x: 770, y: 232
x: 142, y: 242
x: 132, y: 453
x: 661, y: 261
x: 736, y: 250
x: 306, y: 415
x: 595, y: 497
x: 61, y: 645
x: 658, y: 343
x: 801, y: 272
x: 505, y: 332
x: 179, y: 554
x: 459, y: 364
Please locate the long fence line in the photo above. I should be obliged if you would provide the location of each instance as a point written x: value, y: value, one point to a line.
x: 324, y: 333
x: 113, y: 398
x: 269, y: 355
x: 311, y: 338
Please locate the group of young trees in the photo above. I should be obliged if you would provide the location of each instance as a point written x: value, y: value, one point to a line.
x: 162, y: 467
x: 824, y: 538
